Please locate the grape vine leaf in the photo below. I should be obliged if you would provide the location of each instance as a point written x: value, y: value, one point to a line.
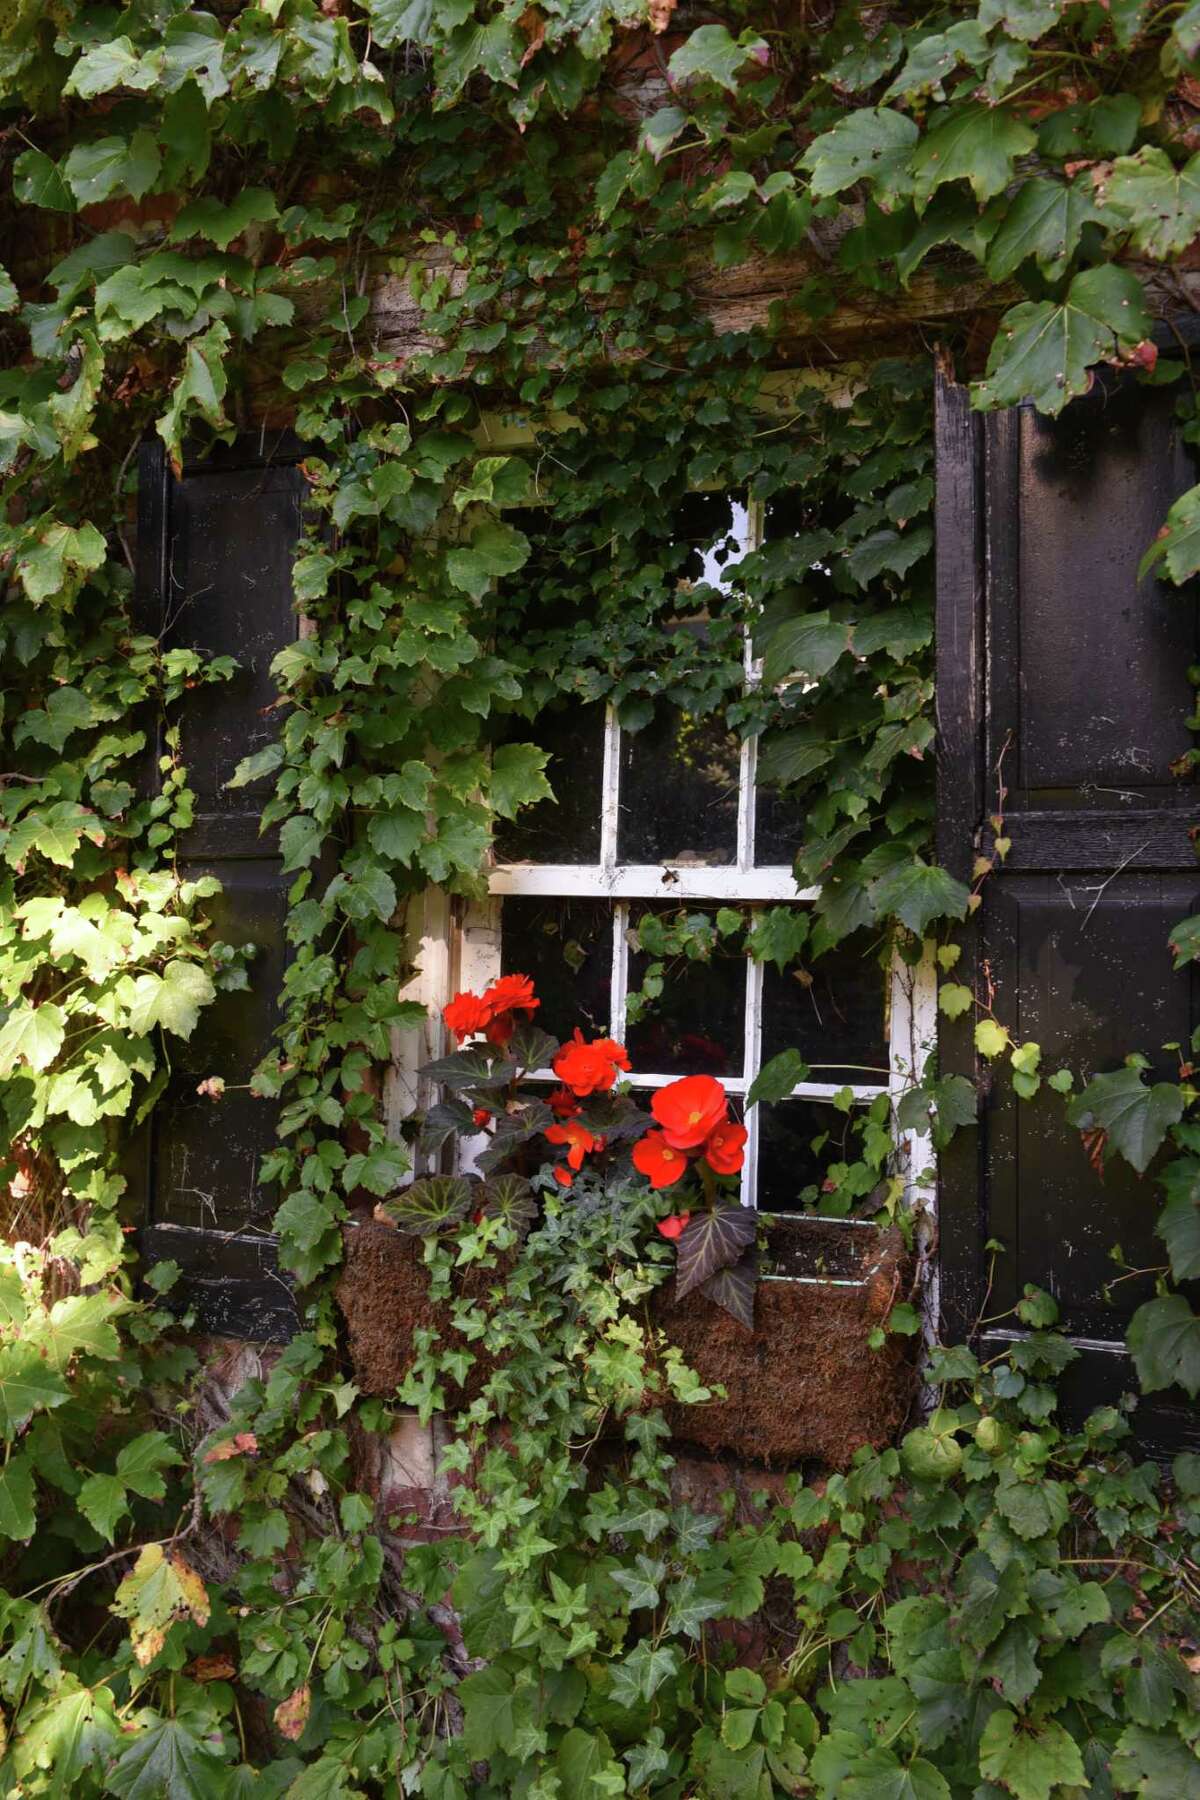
x: 1160, y: 203
x: 37, y: 181
x: 159, y: 1589
x: 1045, y: 222
x: 776, y: 1079
x: 1135, y: 1116
x: 1179, y: 544
x: 874, y: 144
x: 712, y: 54
x: 27, y: 1385
x: 176, y: 1757
x: 17, y: 1517
x: 1164, y: 1341
x: 33, y: 1036
x: 974, y: 143
x: 1030, y: 1757
x: 917, y: 893
x: 1044, y: 350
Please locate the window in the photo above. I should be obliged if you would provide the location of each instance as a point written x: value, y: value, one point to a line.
x: 668, y: 819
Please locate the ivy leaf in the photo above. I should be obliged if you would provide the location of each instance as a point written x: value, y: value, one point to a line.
x: 711, y: 54
x: 104, y: 1503
x: 33, y: 1036
x: 171, y: 1759
x: 1179, y: 543
x: 713, y: 1240
x: 1044, y: 351
x: 495, y: 550
x: 39, y: 182
x: 1161, y: 203
x: 17, y: 1517
x: 874, y: 144
x: 1136, y: 1117
x: 489, y: 1712
x: 776, y: 1079
x: 1164, y: 1341
x: 916, y: 894
x: 973, y: 143
x: 1030, y: 1758
x: 1045, y: 222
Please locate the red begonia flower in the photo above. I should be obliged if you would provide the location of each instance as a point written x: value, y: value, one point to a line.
x: 466, y: 1014
x: 512, y: 993
x: 481, y: 1116
x: 675, y: 1226
x: 689, y: 1110
x: 589, y: 1068
x: 577, y: 1136
x: 654, y: 1158
x: 564, y: 1177
x: 563, y: 1102
x: 725, y: 1149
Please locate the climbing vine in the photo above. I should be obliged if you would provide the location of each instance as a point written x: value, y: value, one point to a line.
x: 479, y: 258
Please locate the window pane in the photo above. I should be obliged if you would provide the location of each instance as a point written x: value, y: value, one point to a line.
x: 833, y: 1013
x: 797, y: 1141
x: 566, y: 946
x: 714, y: 528
x: 778, y: 828
x: 697, y: 1025
x: 567, y: 828
x: 679, y: 791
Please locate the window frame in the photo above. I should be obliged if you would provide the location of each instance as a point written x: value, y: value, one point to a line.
x: 458, y: 945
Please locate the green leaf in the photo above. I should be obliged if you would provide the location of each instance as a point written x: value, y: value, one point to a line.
x: 778, y: 934
x: 104, y: 1503
x: 776, y: 1079
x: 517, y: 778
x: 113, y: 165
x: 430, y: 1204
x: 1155, y: 1764
x: 1029, y: 1758
x: 207, y: 218
x: 200, y: 390
x: 39, y: 182
x: 713, y: 1240
x: 193, y: 48
x: 1178, y: 542
x: 874, y: 144
x: 489, y: 1713
x: 1012, y: 1662
x: 1161, y: 203
x: 300, y: 841
x: 1044, y: 351
x: 70, y: 1735
x: 172, y: 1000
x: 880, y: 1775
x: 931, y: 1453
x: 111, y: 63
x: 954, y: 999
x: 974, y: 143
x: 253, y: 768
x: 171, y: 1759
x: 1024, y: 19
x: 32, y: 1036
x: 711, y: 54
x: 1164, y: 1341
x: 1045, y: 222
x: 788, y: 756
x: 1178, y: 1224
x: 916, y: 894
x: 17, y: 1517
x: 494, y: 550
x: 27, y: 1385
x: 1135, y: 1116
x: 399, y: 21
x: 141, y: 1462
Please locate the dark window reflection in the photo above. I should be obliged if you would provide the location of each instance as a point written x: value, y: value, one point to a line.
x: 833, y: 1013
x: 566, y: 946
x: 679, y: 791
x: 797, y: 1142
x: 697, y: 1026
x: 567, y: 828
x: 778, y: 828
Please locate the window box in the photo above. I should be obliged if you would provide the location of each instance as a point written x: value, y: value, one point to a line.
x: 805, y: 1383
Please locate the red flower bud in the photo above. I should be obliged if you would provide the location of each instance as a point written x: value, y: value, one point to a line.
x: 675, y: 1226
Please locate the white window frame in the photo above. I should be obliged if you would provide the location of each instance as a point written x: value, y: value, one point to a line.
x: 458, y: 946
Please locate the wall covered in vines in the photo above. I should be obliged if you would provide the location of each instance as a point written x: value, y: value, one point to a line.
x: 519, y: 278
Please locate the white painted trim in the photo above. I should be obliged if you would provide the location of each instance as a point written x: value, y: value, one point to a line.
x: 646, y: 881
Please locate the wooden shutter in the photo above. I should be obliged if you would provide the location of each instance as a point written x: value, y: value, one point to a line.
x: 215, y: 549
x: 1059, y: 668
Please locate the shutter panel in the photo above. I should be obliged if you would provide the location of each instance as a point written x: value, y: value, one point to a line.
x: 1057, y: 666
x: 215, y: 549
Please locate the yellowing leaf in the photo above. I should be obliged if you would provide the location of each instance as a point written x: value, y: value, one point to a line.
x: 159, y: 1589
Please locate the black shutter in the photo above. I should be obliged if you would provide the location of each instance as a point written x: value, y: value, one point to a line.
x: 1058, y: 666
x: 215, y: 549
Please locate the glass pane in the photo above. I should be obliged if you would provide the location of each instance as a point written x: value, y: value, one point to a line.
x: 833, y: 1013
x: 679, y: 791
x: 697, y: 1025
x: 566, y: 946
x: 778, y: 828
x: 797, y: 1141
x: 567, y: 828
x: 715, y: 528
